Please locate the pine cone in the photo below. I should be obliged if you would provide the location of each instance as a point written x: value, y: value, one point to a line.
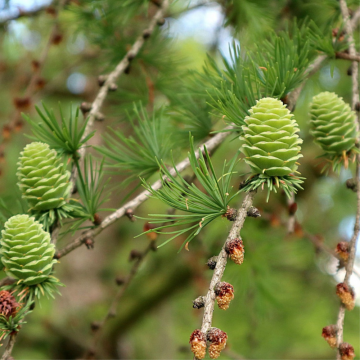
x: 271, y: 143
x: 198, y: 344
x: 333, y: 123
x: 26, y: 251
x: 43, y: 180
x: 8, y: 304
x: 217, y: 339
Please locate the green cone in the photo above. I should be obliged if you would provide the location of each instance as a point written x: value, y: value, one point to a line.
x: 26, y: 251
x: 43, y: 180
x: 333, y: 123
x: 270, y: 140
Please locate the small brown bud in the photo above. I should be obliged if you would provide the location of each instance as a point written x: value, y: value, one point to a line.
x: 161, y: 22
x: 6, y: 132
x: 99, y: 117
x: 349, y: 70
x: 152, y: 235
x: 22, y: 104
x: 224, y: 294
x: 230, y: 214
x: 357, y: 106
x: 57, y: 39
x: 95, y: 326
x: 285, y: 99
x: 113, y: 87
x: 199, y: 302
x: 211, y: 263
x: 146, y: 34
x: 57, y: 256
x: 130, y: 214
x: 253, y: 212
x: 85, y: 107
x: 35, y: 64
x: 217, y: 339
x: 18, y: 125
x: 89, y: 243
x: 8, y: 304
x: 97, y: 219
x: 343, y: 250
x: 2, y: 157
x: 346, y: 351
x: 112, y: 313
x: 292, y: 208
x: 198, y: 344
x: 135, y: 255
x: 235, y: 249
x: 51, y: 10
x: 120, y: 280
x: 40, y: 83
x: 329, y: 334
x: 127, y: 70
x: 130, y: 56
x: 346, y: 294
x: 351, y: 184
x: 102, y: 79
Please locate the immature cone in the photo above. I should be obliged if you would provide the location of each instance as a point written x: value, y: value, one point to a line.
x: 43, y: 180
x: 235, y: 249
x: 224, y: 294
x: 343, y: 249
x: 271, y: 143
x: 333, y: 123
x: 346, y: 295
x: 198, y: 344
x: 8, y: 304
x: 26, y: 251
x: 346, y: 351
x: 217, y: 339
x: 329, y: 334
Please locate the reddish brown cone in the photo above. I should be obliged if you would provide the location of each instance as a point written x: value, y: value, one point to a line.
x: 217, y: 339
x: 346, y: 295
x: 343, y: 249
x: 8, y: 305
x: 346, y: 351
x: 235, y: 250
x: 198, y: 344
x: 224, y: 294
x: 329, y: 334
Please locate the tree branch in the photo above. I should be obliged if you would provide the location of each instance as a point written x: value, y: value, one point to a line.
x: 222, y: 260
x: 139, y: 199
x: 343, y: 55
x: 24, y: 13
x: 355, y: 99
x: 9, y: 346
x: 113, y: 76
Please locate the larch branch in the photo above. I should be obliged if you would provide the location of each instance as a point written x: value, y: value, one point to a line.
x: 9, y: 346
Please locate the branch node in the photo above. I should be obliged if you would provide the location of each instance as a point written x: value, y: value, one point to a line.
x: 199, y: 302
x: 253, y: 212
x: 211, y: 263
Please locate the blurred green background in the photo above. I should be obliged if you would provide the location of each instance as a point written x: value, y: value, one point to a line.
x: 285, y: 289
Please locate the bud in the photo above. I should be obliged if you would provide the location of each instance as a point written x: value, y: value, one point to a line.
x: 211, y: 263
x: 199, y: 302
x: 85, y: 107
x: 343, y: 250
x: 235, y: 250
x: 329, y: 334
x: 152, y: 235
x: 346, y: 294
x: 95, y: 326
x: 89, y: 243
x: 99, y: 117
x: 217, y: 339
x: 292, y: 208
x: 351, y: 184
x: 198, y: 344
x: 146, y: 34
x: 97, y: 219
x: 346, y: 351
x: 224, y: 294
x: 357, y: 106
x: 8, y: 305
x: 230, y: 214
x: 6, y: 132
x: 161, y: 22
x: 135, y: 255
x: 102, y: 79
x: 130, y: 214
x: 113, y: 87
x: 57, y: 39
x: 253, y: 212
x: 22, y: 104
x: 120, y: 280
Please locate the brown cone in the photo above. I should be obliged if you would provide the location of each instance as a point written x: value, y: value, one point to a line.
x: 346, y: 351
x: 235, y: 250
x: 8, y: 305
x: 217, y: 339
x: 198, y: 344
x: 329, y: 334
x: 224, y: 294
x: 346, y: 295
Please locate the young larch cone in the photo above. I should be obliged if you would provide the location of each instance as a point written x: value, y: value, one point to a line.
x: 329, y: 334
x: 346, y: 294
x: 8, y: 304
x: 217, y: 339
x: 343, y: 249
x: 235, y: 249
x: 198, y: 344
x: 346, y: 351
x: 224, y: 294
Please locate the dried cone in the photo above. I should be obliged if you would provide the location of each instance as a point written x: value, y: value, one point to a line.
x: 346, y: 294
x: 270, y: 140
x: 8, y: 304
x: 333, y: 124
x: 224, y: 294
x: 235, y: 250
x: 43, y: 179
x: 198, y: 344
x: 26, y: 250
x: 217, y: 339
x: 343, y: 249
x: 346, y: 351
x: 329, y: 334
